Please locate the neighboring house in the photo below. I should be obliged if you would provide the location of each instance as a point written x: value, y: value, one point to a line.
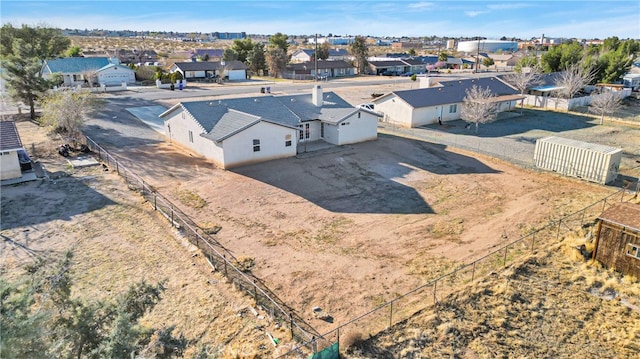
x: 306, y: 55
x: 393, y: 66
x: 11, y: 151
x: 424, y: 106
x: 89, y: 71
x: 240, y: 131
x: 231, y: 70
x: 632, y: 81
x: 618, y: 240
x: 326, y: 69
x: 503, y: 62
x: 208, y: 54
x: 126, y: 56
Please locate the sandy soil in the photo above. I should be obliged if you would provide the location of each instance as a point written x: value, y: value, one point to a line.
x: 349, y: 228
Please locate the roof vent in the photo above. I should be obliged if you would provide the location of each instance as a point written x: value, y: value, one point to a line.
x: 255, y: 100
x: 293, y: 100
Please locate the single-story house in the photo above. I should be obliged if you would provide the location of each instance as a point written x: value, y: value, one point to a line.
x: 305, y: 55
x: 618, y: 239
x: 241, y: 131
x: 424, y: 106
x: 89, y: 71
x: 326, y: 69
x: 232, y: 70
x: 12, y: 154
x: 126, y: 56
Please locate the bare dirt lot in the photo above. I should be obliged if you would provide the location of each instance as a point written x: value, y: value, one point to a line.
x: 345, y: 229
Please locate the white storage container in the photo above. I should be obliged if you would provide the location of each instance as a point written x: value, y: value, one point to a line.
x: 589, y: 161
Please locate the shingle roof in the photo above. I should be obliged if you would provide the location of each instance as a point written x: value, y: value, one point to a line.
x: 451, y: 92
x: 220, y: 119
x: 75, y: 65
x: 210, y: 52
x: 9, y: 137
x: 210, y: 65
x: 623, y: 214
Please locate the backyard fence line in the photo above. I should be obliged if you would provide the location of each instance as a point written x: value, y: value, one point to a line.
x: 384, y: 316
x: 219, y: 257
x: 378, y: 319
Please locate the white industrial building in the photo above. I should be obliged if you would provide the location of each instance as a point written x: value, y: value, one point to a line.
x: 475, y: 46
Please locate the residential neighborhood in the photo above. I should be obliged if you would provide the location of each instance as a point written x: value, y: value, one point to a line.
x: 319, y: 180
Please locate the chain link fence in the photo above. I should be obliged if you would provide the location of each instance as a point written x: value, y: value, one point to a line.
x: 311, y: 343
x: 406, y: 305
x: 219, y: 258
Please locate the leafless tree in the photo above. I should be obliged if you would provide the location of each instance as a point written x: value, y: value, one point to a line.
x: 277, y: 60
x: 89, y: 76
x: 573, y: 79
x: 524, y: 78
x: 479, y: 106
x: 606, y: 103
x: 65, y: 111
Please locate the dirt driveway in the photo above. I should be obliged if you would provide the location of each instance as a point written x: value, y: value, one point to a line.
x: 349, y: 228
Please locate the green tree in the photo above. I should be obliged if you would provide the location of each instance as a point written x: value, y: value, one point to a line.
x: 562, y: 56
x: 443, y: 56
x: 360, y: 51
x: 229, y: 55
x: 22, y: 51
x: 74, y: 51
x: 256, y: 59
x: 280, y: 41
x: 242, y: 48
x: 487, y: 62
x: 323, y: 51
x: 412, y: 51
x: 40, y: 319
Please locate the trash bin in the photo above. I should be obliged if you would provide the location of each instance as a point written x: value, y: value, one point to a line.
x: 173, y: 87
x: 261, y: 89
x: 268, y: 89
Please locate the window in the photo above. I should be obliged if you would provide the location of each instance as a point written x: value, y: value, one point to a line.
x: 307, y: 131
x: 301, y: 133
x: 191, y: 136
x: 256, y: 145
x: 633, y: 250
x: 453, y: 108
x: 287, y: 143
x: 321, y: 129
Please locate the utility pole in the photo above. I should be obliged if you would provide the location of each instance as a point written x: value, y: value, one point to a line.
x: 478, y: 55
x: 315, y: 62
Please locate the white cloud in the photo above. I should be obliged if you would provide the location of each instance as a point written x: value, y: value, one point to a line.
x: 508, y: 6
x: 421, y: 5
x: 475, y: 13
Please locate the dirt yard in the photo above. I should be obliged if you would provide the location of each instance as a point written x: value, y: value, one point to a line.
x: 344, y: 229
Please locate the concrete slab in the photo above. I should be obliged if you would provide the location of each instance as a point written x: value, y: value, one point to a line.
x: 80, y: 162
x: 149, y: 115
x: 26, y: 177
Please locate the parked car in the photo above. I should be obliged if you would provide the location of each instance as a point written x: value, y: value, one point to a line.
x: 389, y: 73
x: 408, y: 73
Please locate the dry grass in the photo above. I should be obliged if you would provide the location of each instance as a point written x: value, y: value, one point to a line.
x: 549, y: 305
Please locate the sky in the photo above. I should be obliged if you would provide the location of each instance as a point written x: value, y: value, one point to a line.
x: 528, y: 19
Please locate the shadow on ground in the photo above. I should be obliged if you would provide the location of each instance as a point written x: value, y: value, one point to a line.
x: 59, y: 198
x: 372, y: 177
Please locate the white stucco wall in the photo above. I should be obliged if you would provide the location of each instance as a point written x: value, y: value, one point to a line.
x: 9, y: 165
x: 359, y: 127
x: 395, y: 111
x: 236, y: 150
x: 239, y: 149
x: 177, y: 128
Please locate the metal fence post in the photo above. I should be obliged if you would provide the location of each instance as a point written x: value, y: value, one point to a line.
x: 582, y: 217
x: 604, y: 204
x: 505, y: 256
x: 533, y: 240
x: 390, y: 314
x: 291, y: 324
x: 224, y: 256
x: 434, y: 292
x: 558, y: 232
x: 473, y: 271
x: 255, y: 291
x: 155, y: 202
